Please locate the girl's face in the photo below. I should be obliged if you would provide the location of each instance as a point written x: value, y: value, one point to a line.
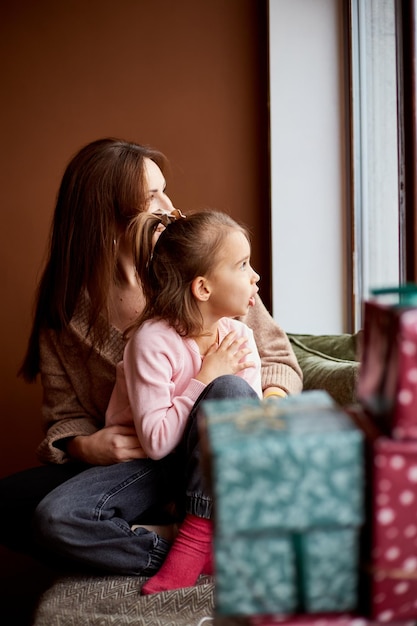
x: 157, y: 198
x: 232, y: 283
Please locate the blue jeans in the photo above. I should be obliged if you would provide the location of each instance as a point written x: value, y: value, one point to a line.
x: 88, y: 518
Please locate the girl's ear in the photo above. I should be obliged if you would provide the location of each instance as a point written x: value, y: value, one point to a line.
x: 200, y: 289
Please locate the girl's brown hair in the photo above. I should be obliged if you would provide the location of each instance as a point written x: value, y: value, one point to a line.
x: 187, y: 248
x: 102, y: 188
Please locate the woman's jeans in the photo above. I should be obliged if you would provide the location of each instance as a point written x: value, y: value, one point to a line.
x: 88, y: 518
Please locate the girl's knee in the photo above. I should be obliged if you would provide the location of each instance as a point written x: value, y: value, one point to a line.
x: 230, y: 386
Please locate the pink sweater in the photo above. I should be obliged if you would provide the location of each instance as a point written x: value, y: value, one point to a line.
x: 155, y: 386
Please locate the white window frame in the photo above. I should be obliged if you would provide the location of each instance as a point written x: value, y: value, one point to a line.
x: 378, y: 257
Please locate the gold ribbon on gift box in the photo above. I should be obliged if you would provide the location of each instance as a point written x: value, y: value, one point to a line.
x: 268, y: 415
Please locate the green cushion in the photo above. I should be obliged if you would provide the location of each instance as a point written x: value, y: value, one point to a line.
x: 329, y: 362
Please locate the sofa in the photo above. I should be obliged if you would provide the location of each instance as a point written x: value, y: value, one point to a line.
x: 329, y: 362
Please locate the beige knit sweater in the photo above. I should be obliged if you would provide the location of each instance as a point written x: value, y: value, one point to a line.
x: 77, y: 379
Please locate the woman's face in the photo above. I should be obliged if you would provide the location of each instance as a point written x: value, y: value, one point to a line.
x: 157, y: 198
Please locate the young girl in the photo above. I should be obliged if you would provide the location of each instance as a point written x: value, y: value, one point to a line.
x: 195, y: 280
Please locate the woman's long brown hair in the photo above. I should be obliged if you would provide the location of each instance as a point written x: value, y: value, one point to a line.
x: 102, y: 188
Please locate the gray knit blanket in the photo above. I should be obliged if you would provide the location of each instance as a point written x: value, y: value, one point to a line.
x: 116, y: 601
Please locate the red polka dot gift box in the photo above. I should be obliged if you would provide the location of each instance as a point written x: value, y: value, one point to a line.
x: 394, y: 531
x: 387, y: 385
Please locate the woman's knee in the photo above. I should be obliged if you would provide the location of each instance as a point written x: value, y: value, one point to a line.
x: 50, y: 519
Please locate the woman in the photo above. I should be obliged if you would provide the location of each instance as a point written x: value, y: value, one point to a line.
x: 88, y: 295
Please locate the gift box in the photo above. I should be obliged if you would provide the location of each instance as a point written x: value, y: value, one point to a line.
x: 387, y: 384
x: 287, y: 480
x: 394, y: 540
x: 325, y: 619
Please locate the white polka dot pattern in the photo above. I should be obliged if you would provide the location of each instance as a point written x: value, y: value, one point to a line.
x: 387, y: 384
x: 405, y: 414
x: 394, y: 543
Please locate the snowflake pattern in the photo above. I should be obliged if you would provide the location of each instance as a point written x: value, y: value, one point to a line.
x: 288, y: 488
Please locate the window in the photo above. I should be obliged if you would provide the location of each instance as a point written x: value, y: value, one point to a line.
x: 377, y: 202
x: 343, y: 157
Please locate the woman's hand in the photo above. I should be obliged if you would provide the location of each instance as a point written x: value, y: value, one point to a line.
x: 226, y: 358
x: 274, y: 392
x: 114, y: 444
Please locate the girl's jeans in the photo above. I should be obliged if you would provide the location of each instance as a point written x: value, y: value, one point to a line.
x: 88, y: 518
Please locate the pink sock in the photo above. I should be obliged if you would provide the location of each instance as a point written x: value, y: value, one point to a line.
x: 189, y: 555
x: 208, y: 568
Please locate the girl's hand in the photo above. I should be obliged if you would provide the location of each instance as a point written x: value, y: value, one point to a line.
x: 114, y: 444
x: 226, y: 358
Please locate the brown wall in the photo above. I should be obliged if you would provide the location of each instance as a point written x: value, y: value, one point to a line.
x: 186, y: 76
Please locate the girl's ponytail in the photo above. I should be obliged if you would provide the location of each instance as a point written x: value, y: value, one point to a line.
x: 144, y: 228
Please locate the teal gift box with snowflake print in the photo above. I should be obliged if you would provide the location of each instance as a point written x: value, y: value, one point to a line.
x: 287, y: 478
